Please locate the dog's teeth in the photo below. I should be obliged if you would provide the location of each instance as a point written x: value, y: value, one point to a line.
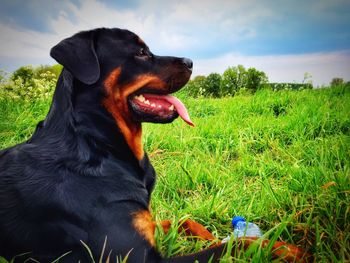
x: 171, y: 107
x: 147, y: 102
x: 141, y: 98
x: 153, y: 105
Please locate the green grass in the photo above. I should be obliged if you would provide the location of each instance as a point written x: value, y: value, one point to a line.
x: 281, y: 159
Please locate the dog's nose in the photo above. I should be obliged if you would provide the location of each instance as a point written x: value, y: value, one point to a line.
x: 188, y: 63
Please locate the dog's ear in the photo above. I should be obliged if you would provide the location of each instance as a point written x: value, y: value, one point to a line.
x: 78, y: 55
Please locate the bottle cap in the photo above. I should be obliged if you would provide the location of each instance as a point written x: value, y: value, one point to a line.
x: 237, y: 219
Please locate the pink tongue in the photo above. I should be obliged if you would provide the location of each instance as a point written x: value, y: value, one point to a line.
x: 180, y: 107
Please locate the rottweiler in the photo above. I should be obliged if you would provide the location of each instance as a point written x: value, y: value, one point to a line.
x: 83, y: 178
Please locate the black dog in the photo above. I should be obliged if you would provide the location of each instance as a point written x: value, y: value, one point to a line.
x: 83, y: 175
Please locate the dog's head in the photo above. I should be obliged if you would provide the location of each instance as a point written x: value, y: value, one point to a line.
x: 136, y: 82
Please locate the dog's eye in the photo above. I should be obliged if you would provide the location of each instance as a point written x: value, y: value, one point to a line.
x: 142, y: 53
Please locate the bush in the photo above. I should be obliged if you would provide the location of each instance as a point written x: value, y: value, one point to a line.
x: 289, y: 86
x: 30, y: 83
x: 337, y: 82
x: 48, y: 72
x: 195, y: 87
x: 39, y: 88
x: 24, y: 75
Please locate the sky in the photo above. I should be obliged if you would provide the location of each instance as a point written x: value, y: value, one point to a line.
x: 284, y: 38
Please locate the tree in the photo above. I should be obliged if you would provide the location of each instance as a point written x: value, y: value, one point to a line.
x: 211, y: 85
x: 242, y: 77
x: 236, y: 78
x: 337, y: 81
x: 195, y: 87
x: 255, y: 79
x: 307, y: 78
x: 229, y: 81
x: 25, y: 75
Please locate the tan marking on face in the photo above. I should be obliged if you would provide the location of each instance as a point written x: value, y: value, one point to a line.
x: 144, y: 224
x: 116, y: 103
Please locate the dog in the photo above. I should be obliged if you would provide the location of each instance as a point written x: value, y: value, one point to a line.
x: 83, y: 178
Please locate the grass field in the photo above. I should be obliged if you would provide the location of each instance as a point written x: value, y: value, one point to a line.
x: 281, y: 159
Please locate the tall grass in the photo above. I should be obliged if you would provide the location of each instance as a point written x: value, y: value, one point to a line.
x: 281, y: 159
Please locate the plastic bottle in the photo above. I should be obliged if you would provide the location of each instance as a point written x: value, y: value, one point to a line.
x: 240, y: 228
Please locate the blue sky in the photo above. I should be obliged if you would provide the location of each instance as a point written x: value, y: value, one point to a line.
x: 283, y: 38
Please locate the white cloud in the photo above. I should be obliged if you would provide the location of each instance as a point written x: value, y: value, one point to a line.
x: 178, y: 27
x: 16, y: 43
x: 284, y: 68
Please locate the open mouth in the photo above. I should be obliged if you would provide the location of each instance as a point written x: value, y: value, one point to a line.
x: 158, y: 108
